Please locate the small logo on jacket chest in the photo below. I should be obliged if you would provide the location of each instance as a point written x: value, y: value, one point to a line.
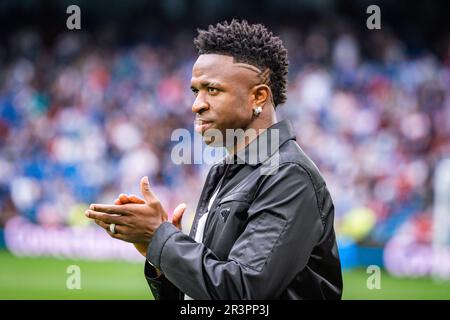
x: 224, y: 212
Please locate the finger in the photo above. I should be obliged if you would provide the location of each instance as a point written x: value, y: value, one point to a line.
x: 146, y: 192
x: 178, y: 215
x: 116, y: 235
x: 108, y: 218
x: 107, y: 208
x: 124, y: 198
x: 119, y: 229
x: 102, y: 224
x: 135, y: 199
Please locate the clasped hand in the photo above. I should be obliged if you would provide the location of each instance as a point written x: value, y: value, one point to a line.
x: 135, y: 219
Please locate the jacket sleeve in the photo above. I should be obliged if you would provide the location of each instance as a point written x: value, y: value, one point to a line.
x: 162, y: 289
x: 283, y: 227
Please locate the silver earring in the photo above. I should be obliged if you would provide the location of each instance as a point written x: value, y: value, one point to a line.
x: 257, y: 111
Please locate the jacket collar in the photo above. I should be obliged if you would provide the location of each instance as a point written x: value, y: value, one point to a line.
x: 264, y: 146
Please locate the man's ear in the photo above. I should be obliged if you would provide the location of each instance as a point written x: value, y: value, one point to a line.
x: 261, y: 94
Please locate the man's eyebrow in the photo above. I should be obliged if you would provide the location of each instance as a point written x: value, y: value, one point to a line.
x: 205, y: 84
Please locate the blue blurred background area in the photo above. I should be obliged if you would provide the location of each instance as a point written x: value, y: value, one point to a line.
x: 84, y: 114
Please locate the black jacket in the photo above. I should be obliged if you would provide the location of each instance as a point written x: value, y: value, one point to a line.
x: 269, y: 234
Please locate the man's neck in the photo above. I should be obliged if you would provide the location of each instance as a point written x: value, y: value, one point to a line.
x: 258, y: 127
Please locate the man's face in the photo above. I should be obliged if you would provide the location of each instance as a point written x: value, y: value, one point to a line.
x: 223, y: 94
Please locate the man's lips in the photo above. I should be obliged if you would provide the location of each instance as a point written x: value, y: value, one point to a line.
x: 202, y: 125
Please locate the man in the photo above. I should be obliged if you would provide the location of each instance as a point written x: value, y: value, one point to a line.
x: 257, y: 234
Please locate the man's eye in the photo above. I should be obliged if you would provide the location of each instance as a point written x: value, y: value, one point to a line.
x: 195, y: 92
x: 213, y: 90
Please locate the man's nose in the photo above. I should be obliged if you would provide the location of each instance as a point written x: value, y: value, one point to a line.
x: 200, y: 104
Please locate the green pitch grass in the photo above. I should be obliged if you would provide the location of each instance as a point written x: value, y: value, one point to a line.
x: 45, y: 278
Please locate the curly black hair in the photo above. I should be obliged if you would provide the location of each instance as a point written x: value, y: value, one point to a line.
x: 252, y: 44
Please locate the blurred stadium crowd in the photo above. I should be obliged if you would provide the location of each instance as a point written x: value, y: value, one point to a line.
x: 81, y: 123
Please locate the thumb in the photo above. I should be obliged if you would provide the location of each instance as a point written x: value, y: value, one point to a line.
x: 178, y: 215
x: 146, y: 192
